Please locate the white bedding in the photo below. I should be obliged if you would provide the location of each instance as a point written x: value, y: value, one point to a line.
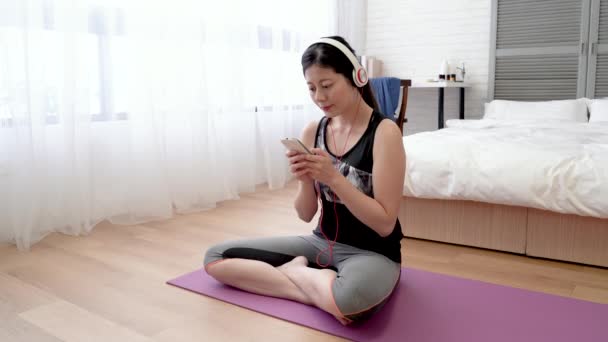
x: 562, y: 167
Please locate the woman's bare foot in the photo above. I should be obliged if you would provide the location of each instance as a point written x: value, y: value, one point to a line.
x: 298, y: 261
x: 257, y: 277
x: 298, y: 268
x: 293, y: 266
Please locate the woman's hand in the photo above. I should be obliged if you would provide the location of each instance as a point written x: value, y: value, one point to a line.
x: 319, y: 167
x: 297, y: 162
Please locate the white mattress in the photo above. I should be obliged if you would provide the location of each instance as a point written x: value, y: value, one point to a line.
x: 562, y: 167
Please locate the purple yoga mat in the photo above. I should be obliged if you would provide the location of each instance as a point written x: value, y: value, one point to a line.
x: 433, y: 307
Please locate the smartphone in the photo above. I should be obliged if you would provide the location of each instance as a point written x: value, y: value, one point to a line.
x: 295, y: 144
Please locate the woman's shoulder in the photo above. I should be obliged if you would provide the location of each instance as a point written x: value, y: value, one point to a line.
x: 388, y: 138
x: 388, y: 145
x: 387, y: 128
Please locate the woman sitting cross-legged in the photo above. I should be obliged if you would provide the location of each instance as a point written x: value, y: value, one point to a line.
x: 351, y: 263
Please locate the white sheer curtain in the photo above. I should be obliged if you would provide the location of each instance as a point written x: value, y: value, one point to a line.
x: 132, y: 111
x: 350, y: 22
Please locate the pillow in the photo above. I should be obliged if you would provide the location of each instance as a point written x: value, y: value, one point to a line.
x: 561, y: 110
x: 599, y: 110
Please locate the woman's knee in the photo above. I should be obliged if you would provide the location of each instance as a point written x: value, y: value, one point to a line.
x: 241, y: 250
x: 221, y: 251
x: 213, y: 255
x: 359, y: 301
x: 350, y: 298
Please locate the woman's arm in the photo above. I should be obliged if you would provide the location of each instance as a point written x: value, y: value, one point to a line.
x: 306, y: 204
x: 379, y: 213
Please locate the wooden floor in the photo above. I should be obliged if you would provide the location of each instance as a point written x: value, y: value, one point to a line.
x: 110, y: 285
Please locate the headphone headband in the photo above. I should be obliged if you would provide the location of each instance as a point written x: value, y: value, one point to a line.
x: 359, y: 73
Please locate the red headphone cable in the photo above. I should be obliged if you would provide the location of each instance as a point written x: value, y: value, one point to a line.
x: 330, y: 243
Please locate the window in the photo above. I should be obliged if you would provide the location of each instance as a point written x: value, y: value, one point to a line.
x: 597, y: 70
x: 548, y: 50
x: 113, y: 59
x: 49, y: 78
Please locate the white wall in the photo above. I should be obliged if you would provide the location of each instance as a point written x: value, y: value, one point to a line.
x: 413, y: 37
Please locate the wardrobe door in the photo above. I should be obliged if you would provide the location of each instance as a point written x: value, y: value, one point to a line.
x: 597, y: 73
x: 538, y: 49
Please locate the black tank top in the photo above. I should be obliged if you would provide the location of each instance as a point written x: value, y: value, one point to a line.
x: 356, y: 166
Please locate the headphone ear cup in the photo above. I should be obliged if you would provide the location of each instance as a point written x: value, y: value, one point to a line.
x: 360, y: 77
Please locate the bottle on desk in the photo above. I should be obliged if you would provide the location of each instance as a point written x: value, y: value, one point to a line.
x: 444, y: 71
x: 452, y: 73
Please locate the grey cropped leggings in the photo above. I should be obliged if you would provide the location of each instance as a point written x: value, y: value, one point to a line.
x: 364, y: 279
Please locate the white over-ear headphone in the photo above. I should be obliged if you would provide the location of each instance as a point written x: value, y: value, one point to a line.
x: 359, y: 72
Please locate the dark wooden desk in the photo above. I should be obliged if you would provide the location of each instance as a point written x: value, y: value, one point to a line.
x: 441, y: 86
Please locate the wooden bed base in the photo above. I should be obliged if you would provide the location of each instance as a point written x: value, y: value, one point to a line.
x: 522, y: 230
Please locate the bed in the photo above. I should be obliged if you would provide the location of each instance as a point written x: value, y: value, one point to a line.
x: 511, y: 183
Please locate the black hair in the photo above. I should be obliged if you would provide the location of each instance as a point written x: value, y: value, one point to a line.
x: 329, y: 56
